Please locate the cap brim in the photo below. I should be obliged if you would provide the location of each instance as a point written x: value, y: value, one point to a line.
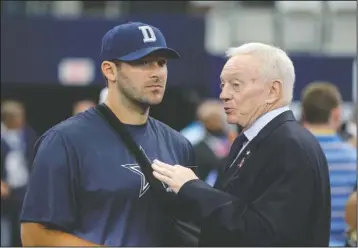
x: 161, y: 51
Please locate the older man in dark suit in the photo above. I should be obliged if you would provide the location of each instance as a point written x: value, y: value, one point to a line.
x: 275, y: 191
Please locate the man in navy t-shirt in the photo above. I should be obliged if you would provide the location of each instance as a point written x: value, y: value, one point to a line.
x: 85, y: 188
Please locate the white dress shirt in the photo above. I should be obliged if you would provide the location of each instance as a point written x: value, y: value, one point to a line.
x: 260, y: 123
x: 15, y: 161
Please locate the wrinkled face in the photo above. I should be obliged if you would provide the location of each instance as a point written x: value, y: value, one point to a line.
x: 142, y: 81
x: 244, y: 93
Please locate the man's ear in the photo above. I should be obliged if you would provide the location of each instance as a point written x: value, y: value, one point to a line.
x: 109, y: 70
x: 336, y: 115
x: 275, y: 92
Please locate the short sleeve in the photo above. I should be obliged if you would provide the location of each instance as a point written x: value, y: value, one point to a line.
x: 50, y: 197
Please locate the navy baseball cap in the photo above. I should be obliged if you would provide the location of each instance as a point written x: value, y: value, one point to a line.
x: 134, y: 40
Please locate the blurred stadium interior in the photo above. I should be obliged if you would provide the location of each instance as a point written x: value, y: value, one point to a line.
x: 51, y: 49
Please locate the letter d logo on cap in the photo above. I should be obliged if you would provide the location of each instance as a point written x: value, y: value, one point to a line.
x: 148, y: 34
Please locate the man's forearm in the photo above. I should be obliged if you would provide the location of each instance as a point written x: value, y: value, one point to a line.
x: 33, y: 234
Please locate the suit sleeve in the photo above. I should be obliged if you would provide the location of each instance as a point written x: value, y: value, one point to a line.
x: 50, y: 197
x: 186, y: 231
x: 274, y: 217
x: 189, y: 156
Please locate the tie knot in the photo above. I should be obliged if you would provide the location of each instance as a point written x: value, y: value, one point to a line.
x: 241, y: 139
x: 239, y: 142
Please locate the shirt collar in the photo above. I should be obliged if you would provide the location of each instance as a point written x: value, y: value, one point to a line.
x: 261, y: 122
x: 322, y: 132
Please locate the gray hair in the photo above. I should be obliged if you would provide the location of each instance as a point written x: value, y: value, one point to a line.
x: 276, y: 65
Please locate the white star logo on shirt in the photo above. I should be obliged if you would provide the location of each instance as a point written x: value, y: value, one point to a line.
x: 144, y: 184
x: 136, y: 169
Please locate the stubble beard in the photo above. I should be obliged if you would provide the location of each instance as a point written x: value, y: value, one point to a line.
x: 133, y: 99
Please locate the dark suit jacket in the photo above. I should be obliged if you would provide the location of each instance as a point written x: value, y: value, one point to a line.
x: 279, y: 197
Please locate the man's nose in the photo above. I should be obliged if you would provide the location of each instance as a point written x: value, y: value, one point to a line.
x: 155, y: 78
x: 158, y: 72
x: 224, y: 94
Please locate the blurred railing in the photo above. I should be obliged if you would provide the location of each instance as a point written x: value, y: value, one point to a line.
x: 307, y: 26
x: 317, y: 26
x: 327, y: 27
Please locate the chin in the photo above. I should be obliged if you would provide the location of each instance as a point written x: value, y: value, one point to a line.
x: 153, y: 102
x: 231, y: 119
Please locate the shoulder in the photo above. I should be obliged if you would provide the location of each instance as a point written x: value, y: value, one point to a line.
x: 71, y: 129
x: 78, y: 122
x: 294, y: 135
x: 52, y: 141
x: 84, y: 122
x: 168, y: 133
x: 295, y: 146
x: 349, y: 150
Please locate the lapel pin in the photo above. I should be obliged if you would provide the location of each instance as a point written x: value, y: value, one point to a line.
x: 241, y: 162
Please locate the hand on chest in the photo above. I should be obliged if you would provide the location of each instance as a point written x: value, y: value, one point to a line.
x: 117, y: 171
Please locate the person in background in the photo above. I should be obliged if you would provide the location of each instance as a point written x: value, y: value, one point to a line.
x: 195, y: 132
x: 234, y: 131
x: 348, y: 129
x: 103, y: 95
x: 351, y: 127
x: 6, y: 225
x: 351, y: 219
x: 322, y: 112
x: 17, y: 140
x: 215, y: 146
x: 83, y: 105
x: 15, y: 130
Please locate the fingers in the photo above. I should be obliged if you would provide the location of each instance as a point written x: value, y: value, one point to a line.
x: 162, y: 170
x: 162, y: 178
x: 163, y: 165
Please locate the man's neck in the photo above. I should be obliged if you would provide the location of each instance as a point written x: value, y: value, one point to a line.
x: 320, y: 128
x: 126, y: 112
x: 12, y: 128
x: 261, y: 112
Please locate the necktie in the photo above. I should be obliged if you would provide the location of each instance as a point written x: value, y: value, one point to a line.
x: 237, y: 146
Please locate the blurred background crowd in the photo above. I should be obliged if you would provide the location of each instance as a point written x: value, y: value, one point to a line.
x: 50, y: 71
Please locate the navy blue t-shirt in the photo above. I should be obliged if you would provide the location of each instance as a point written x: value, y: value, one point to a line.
x: 85, y: 182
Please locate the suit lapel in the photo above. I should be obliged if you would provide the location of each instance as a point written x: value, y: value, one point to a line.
x: 244, y: 156
x: 223, y: 176
x: 238, y: 166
